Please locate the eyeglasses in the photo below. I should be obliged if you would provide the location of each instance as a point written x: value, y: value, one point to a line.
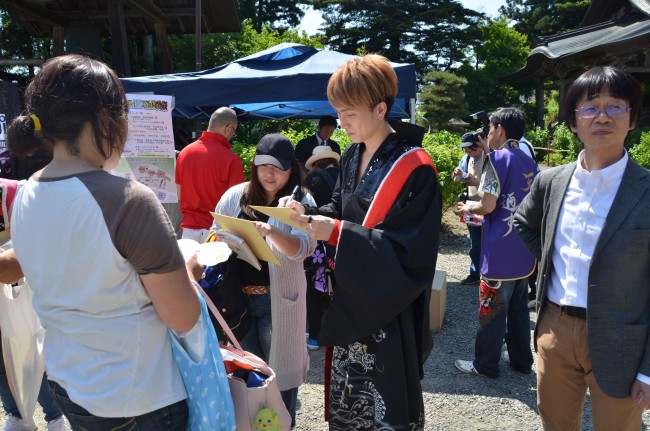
x: 613, y: 111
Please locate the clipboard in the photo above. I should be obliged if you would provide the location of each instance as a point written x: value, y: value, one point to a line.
x: 246, y: 230
x: 280, y: 213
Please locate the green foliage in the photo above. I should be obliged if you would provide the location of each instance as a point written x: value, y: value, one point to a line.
x: 221, y: 48
x: 341, y: 138
x: 501, y: 51
x: 556, y: 159
x: 551, y: 106
x: 249, y: 134
x: 246, y: 154
x: 17, y: 43
x: 641, y: 152
x: 538, y: 137
x: 442, y: 98
x: 565, y: 139
x: 444, y: 149
x: 634, y: 137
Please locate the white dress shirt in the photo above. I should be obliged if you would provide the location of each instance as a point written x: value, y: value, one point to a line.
x: 586, y: 204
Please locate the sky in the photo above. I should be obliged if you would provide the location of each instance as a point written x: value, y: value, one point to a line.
x: 312, y: 20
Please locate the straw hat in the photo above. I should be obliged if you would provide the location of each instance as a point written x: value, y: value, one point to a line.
x: 321, y: 152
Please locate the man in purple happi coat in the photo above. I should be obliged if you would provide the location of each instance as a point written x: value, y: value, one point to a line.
x: 506, y: 263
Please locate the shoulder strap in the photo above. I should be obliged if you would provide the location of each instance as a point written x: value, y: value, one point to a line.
x: 393, y: 183
x: 218, y: 316
x: 530, y: 148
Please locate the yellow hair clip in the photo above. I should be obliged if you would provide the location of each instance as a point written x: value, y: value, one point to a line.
x: 37, y: 122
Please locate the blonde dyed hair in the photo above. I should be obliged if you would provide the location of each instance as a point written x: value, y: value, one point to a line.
x: 363, y: 81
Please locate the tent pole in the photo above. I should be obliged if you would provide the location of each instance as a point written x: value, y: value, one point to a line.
x: 412, y: 109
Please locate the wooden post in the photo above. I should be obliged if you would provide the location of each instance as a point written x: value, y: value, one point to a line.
x: 119, y: 44
x: 539, y: 99
x: 58, y: 40
x: 164, y: 52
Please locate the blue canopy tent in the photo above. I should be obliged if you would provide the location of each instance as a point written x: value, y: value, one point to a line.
x: 288, y: 80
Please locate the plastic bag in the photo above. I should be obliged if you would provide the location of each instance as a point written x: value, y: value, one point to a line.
x: 22, y: 346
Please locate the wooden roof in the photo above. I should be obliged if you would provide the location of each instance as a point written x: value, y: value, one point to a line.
x: 119, y: 19
x: 614, y: 32
x: 39, y: 17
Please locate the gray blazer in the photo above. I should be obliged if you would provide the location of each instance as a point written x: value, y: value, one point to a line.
x: 618, y: 304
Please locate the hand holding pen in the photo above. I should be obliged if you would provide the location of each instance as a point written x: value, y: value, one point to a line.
x: 294, y: 195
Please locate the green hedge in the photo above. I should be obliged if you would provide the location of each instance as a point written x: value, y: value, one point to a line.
x: 445, y: 151
x: 443, y: 147
x: 641, y: 151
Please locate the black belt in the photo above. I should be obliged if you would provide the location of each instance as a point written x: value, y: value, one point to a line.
x: 578, y: 312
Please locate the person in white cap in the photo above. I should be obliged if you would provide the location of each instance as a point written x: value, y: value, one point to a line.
x: 323, y: 166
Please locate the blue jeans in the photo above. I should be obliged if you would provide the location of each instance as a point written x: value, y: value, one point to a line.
x: 171, y: 418
x: 475, y: 233
x: 290, y: 399
x: 258, y: 339
x: 50, y: 408
x: 498, y: 308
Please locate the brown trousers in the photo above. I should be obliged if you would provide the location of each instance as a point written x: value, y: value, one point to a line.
x: 563, y: 375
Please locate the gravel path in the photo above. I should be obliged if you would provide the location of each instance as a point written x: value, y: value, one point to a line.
x: 453, y: 401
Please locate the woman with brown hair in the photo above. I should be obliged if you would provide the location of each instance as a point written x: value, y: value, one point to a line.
x: 100, y: 255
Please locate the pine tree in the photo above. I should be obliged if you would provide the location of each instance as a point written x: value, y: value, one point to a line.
x: 537, y: 18
x: 426, y: 32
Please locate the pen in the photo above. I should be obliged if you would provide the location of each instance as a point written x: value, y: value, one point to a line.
x: 294, y: 195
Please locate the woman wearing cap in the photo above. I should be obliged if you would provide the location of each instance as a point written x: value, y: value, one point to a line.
x: 377, y: 320
x: 276, y: 293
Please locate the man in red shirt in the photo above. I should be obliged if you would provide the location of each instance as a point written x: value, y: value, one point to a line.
x: 205, y: 169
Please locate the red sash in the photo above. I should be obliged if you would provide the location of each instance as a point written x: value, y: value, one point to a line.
x: 384, y: 199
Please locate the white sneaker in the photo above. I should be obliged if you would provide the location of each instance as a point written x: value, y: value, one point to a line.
x: 59, y: 424
x: 16, y: 424
x: 467, y: 367
x: 505, y: 357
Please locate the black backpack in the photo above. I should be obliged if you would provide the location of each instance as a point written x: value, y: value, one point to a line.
x: 222, y: 284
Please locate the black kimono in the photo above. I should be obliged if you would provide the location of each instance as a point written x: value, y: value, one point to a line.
x: 378, y: 319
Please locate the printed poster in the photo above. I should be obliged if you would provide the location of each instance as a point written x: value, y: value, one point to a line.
x: 149, y: 156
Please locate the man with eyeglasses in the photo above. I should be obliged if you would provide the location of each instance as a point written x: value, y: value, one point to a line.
x: 205, y: 169
x: 505, y: 261
x: 469, y: 171
x: 588, y: 223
